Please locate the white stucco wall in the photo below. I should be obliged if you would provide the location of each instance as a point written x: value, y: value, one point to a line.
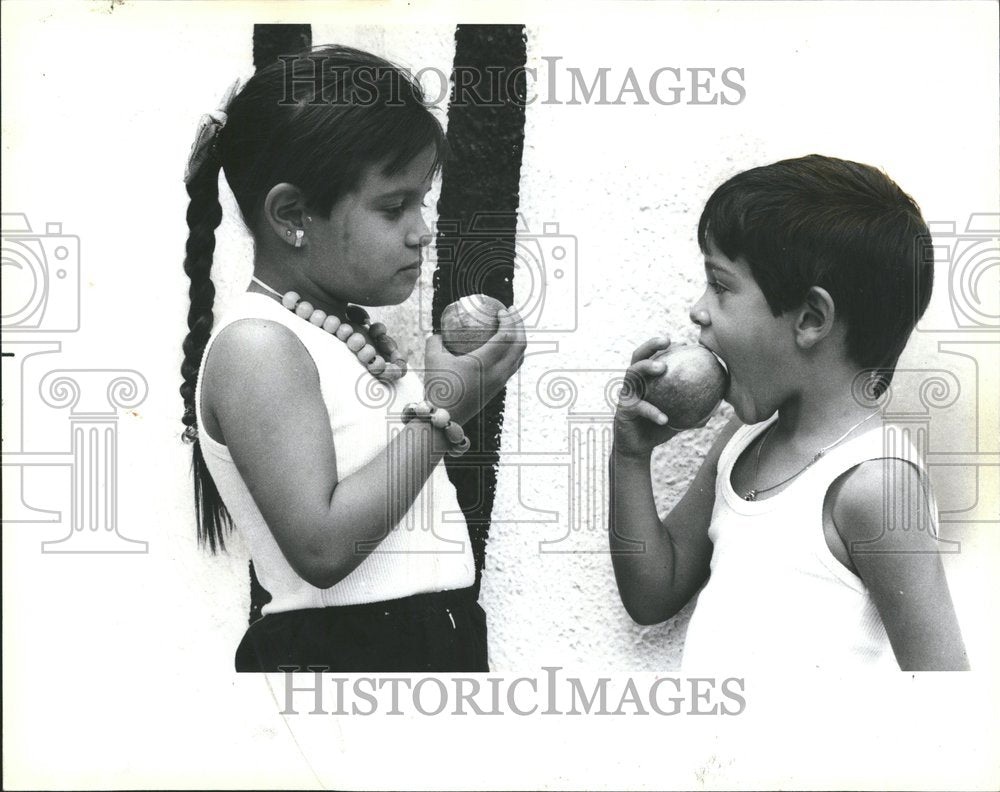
x: 100, y: 106
x: 628, y: 183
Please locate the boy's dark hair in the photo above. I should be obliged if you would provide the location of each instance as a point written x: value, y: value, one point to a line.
x: 315, y: 120
x: 844, y: 226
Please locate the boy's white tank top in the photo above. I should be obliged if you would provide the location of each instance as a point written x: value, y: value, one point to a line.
x: 777, y: 598
x: 428, y: 549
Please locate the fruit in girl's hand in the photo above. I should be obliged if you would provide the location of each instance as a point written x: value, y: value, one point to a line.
x: 692, y: 386
x: 470, y: 322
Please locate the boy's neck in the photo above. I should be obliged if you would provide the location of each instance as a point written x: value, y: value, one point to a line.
x: 820, y: 412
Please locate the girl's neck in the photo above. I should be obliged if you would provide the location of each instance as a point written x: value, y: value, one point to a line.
x: 282, y: 283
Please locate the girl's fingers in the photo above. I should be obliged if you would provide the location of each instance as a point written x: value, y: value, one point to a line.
x: 434, y: 343
x: 650, y: 347
x: 512, y: 324
x: 520, y: 341
x: 509, y: 342
x: 518, y: 325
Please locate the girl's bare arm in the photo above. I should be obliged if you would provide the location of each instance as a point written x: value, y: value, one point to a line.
x: 265, y: 396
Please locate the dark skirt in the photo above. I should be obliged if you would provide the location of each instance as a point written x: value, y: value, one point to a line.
x: 441, y: 632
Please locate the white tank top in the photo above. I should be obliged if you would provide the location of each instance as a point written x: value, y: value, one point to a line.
x: 428, y: 548
x: 777, y: 598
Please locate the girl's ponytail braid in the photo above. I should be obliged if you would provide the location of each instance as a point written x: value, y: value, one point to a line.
x: 203, y: 217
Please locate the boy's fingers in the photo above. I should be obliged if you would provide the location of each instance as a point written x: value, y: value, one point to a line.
x: 649, y: 368
x: 646, y: 410
x: 633, y: 388
x: 649, y: 347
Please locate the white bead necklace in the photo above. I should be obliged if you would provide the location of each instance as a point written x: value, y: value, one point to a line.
x: 385, y: 363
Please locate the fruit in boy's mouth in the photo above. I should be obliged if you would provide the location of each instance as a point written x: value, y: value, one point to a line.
x: 692, y: 386
x: 470, y: 322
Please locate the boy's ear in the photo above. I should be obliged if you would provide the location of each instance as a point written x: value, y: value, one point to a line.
x: 815, y: 318
x: 284, y: 210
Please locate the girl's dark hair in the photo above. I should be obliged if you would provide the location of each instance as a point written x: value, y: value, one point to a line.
x: 317, y: 120
x: 841, y: 225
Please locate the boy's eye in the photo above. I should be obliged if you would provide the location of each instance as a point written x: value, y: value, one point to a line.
x: 394, y: 211
x: 715, y: 286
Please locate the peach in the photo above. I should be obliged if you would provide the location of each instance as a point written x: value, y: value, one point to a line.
x: 470, y: 322
x: 691, y: 388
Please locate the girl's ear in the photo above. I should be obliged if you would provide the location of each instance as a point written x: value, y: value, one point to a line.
x: 815, y: 318
x: 285, y: 211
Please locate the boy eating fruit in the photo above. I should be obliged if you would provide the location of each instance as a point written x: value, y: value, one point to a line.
x: 802, y: 533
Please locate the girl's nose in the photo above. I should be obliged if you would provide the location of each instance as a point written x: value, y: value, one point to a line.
x: 699, y: 314
x: 420, y: 238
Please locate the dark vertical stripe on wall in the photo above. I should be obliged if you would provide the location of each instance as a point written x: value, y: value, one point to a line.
x: 477, y: 218
x: 270, y: 41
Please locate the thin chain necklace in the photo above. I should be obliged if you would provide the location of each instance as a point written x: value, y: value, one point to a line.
x: 752, y: 493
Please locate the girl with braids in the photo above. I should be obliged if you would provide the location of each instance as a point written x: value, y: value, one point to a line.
x: 340, y: 496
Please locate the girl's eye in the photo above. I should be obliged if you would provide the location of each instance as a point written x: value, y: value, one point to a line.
x: 394, y: 212
x: 717, y: 287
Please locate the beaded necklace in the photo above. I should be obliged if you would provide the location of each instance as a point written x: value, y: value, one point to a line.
x: 372, y: 357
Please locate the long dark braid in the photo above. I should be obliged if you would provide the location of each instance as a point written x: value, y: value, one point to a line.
x: 203, y: 216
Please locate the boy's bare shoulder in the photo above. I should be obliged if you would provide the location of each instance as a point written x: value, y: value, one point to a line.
x: 882, y: 499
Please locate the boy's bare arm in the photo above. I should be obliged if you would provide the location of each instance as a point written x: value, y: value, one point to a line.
x: 899, y: 561
x: 660, y: 565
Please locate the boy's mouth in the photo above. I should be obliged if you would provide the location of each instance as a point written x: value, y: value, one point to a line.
x: 717, y: 356
x: 725, y: 367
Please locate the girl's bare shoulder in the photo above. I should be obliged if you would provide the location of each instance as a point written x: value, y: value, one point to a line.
x: 255, y: 357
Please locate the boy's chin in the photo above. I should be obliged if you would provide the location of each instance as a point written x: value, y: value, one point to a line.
x: 746, y: 409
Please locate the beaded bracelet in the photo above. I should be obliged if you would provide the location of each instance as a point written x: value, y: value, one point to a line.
x: 440, y: 419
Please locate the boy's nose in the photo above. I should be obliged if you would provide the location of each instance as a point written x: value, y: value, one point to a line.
x: 699, y: 315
